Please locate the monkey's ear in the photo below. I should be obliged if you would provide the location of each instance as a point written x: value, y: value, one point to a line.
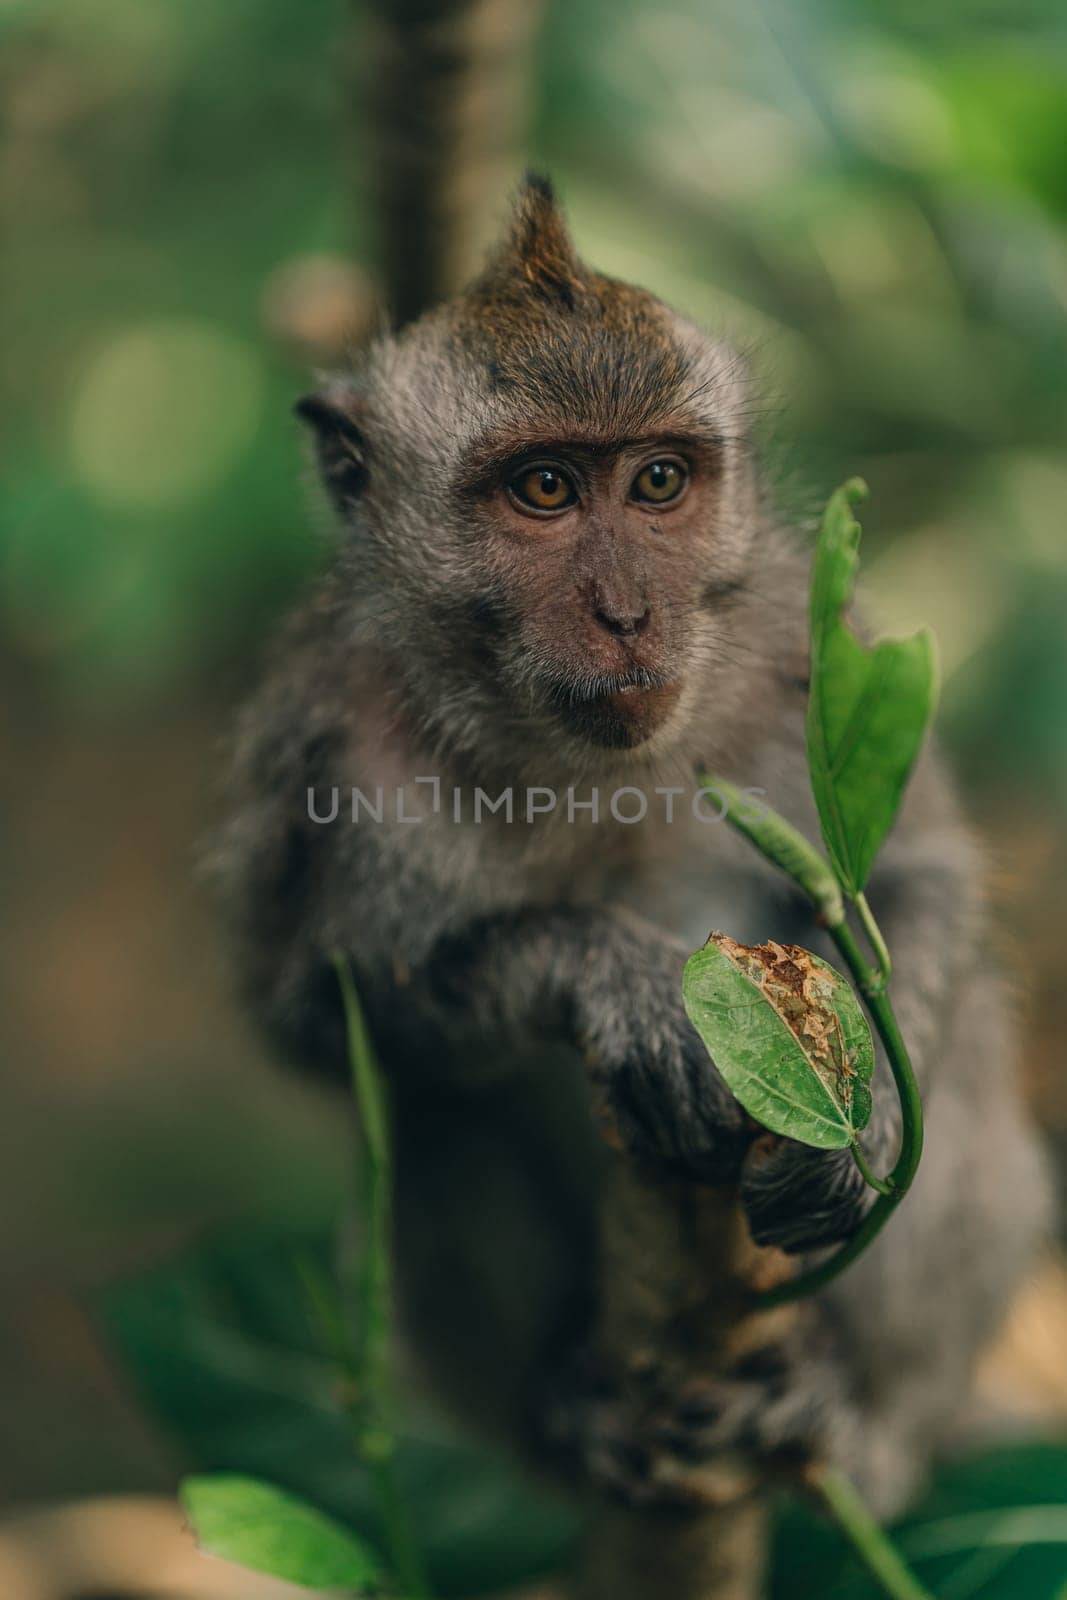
x: 333, y: 413
x: 538, y: 251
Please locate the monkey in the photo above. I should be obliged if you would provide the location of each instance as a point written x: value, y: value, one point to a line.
x: 559, y: 573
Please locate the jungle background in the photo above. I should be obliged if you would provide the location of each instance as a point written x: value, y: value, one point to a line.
x: 871, y: 193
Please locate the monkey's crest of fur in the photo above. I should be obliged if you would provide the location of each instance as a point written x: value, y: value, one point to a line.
x: 537, y: 255
x: 575, y: 347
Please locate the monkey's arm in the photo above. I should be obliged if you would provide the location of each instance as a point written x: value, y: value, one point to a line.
x: 451, y: 976
x: 605, y: 981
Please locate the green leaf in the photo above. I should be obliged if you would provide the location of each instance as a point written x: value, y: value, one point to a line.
x: 259, y: 1526
x: 787, y: 1034
x: 868, y: 709
x: 223, y: 1344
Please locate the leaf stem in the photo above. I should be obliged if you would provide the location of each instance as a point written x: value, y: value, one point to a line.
x: 871, y: 1178
x: 874, y: 1549
x: 371, y: 1406
x: 874, y: 935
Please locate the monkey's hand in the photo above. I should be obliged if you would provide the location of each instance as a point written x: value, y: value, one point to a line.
x: 661, y: 1096
x: 801, y: 1199
x: 610, y: 984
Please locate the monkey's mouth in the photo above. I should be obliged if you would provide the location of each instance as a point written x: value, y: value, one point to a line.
x: 618, y: 710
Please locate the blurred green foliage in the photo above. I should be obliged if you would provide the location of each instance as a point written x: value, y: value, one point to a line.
x: 224, y: 1345
x: 873, y: 196
x: 162, y: 159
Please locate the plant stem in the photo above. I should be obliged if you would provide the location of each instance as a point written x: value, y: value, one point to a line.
x: 372, y: 1404
x: 874, y: 1549
x: 911, y: 1108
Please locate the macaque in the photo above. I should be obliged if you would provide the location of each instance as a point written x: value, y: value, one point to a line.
x: 559, y: 578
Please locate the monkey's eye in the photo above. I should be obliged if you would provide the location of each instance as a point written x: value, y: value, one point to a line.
x: 542, y: 488
x: 659, y: 482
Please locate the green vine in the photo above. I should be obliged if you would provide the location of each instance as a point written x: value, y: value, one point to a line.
x: 787, y: 848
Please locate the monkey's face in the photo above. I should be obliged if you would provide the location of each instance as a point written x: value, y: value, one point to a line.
x: 595, y: 553
x: 550, y: 483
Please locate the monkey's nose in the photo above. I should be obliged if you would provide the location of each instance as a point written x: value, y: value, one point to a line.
x: 624, y: 621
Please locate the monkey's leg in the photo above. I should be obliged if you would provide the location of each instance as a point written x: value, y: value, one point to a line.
x: 496, y: 1215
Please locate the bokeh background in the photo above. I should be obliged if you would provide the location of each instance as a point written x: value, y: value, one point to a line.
x: 872, y: 194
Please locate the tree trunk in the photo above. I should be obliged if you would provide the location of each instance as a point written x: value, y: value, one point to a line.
x: 668, y: 1553
x: 446, y: 86
x: 678, y: 1269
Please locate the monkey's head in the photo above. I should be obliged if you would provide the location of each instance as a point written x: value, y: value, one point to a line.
x: 550, y: 499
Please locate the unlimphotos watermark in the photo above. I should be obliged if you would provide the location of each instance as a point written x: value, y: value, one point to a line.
x: 423, y: 798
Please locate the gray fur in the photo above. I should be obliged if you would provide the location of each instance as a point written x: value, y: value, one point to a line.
x: 522, y: 980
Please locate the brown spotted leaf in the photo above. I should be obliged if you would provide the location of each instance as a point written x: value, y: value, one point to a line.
x: 788, y: 1035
